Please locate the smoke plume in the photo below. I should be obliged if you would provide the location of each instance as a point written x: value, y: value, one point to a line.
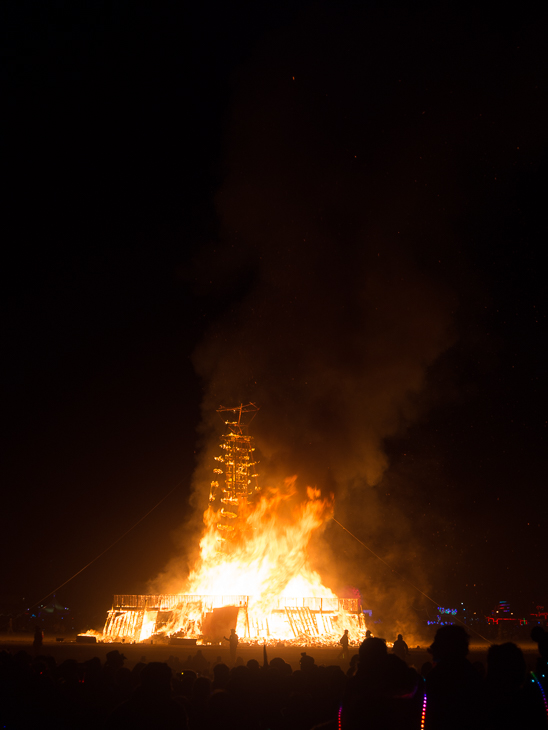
x: 326, y: 270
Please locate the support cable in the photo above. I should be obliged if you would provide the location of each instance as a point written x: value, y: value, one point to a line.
x: 108, y: 548
x: 436, y: 603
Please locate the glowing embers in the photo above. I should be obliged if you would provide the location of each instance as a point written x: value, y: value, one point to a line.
x: 256, y: 545
x: 268, y: 556
x: 240, y: 477
x: 208, y: 618
x: 137, y: 618
x: 123, y: 624
x: 253, y: 565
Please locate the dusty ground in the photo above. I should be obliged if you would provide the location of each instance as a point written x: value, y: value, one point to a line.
x: 69, y: 649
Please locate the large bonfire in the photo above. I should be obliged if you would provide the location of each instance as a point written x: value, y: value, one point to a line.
x: 253, y: 571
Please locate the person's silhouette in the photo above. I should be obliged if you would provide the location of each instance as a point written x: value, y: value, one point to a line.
x: 453, y: 686
x: 233, y: 640
x: 400, y: 648
x: 344, y: 641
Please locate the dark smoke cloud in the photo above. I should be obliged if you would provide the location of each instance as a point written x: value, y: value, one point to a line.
x: 335, y: 310
x: 334, y: 345
x: 351, y: 155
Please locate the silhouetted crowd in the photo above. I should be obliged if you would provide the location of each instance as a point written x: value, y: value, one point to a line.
x: 380, y: 691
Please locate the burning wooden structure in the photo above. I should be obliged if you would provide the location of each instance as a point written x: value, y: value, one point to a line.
x: 254, y: 545
x: 240, y: 477
x: 139, y: 618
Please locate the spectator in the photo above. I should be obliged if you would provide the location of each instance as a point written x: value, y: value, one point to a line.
x: 38, y: 638
x: 400, y: 648
x: 511, y: 701
x: 343, y: 641
x: 453, y: 686
x: 152, y: 704
x: 233, y: 640
x: 383, y: 692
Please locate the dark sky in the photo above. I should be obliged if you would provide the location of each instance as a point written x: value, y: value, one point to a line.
x: 336, y: 213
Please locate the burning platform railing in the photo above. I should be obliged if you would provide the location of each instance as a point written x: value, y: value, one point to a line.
x: 255, y: 543
x: 138, y: 618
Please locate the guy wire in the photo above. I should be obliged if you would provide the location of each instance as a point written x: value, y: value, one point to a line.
x: 436, y: 603
x: 108, y: 548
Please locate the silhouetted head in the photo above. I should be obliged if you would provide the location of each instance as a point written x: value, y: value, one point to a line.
x: 373, y: 653
x: 221, y: 709
x: 115, y: 659
x: 399, y: 679
x: 22, y: 659
x: 506, y: 666
x: 201, y: 689
x: 306, y: 662
x: 400, y: 637
x: 156, y: 679
x: 539, y: 635
x: 92, y: 667
x: 221, y: 674
x: 69, y: 670
x: 187, y: 679
x: 450, y: 642
x: 278, y: 665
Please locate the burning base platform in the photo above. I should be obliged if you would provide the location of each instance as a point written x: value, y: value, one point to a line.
x: 207, y: 619
x: 255, y: 544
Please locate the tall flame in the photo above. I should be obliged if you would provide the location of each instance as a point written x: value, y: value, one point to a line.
x: 253, y: 570
x: 268, y: 558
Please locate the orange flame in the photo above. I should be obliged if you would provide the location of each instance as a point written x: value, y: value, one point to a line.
x: 257, y: 563
x: 268, y: 557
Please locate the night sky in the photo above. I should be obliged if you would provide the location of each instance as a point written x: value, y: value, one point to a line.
x: 338, y: 213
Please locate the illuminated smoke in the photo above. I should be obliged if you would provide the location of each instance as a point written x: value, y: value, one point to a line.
x: 332, y: 307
